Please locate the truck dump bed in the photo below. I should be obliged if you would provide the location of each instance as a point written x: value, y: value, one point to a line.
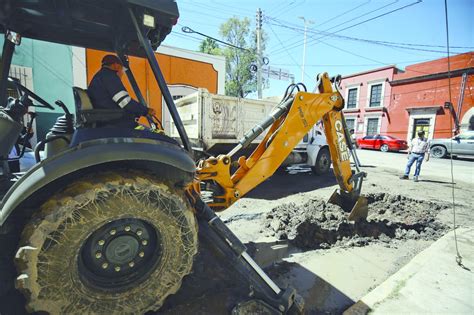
x: 215, y: 123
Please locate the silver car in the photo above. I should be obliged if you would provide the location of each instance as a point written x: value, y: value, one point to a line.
x: 462, y: 144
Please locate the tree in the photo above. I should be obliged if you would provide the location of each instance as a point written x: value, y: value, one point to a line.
x: 240, y: 80
x: 209, y: 46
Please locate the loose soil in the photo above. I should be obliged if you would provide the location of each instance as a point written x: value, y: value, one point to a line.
x: 319, y: 225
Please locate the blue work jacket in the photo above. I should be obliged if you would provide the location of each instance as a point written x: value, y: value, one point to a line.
x: 107, y: 91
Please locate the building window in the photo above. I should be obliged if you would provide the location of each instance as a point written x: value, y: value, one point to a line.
x: 375, y: 95
x: 350, y: 122
x: 352, y: 98
x: 372, y: 126
x: 421, y: 124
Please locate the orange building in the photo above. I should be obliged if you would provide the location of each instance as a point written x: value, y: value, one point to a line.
x: 184, y: 71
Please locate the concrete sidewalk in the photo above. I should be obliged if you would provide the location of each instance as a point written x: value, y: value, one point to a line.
x: 431, y: 283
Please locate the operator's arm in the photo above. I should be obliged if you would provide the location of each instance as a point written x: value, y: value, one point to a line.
x: 121, y: 97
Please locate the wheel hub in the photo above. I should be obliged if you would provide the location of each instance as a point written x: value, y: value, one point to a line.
x: 122, y: 249
x: 324, y: 161
x: 119, y: 254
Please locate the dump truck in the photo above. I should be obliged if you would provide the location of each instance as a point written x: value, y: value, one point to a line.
x: 215, y: 124
x: 113, y: 221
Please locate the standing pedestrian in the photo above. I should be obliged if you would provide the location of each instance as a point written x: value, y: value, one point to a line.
x: 353, y: 138
x: 419, y: 149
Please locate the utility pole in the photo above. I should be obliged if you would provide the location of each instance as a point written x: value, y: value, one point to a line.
x: 306, y: 22
x: 259, y: 53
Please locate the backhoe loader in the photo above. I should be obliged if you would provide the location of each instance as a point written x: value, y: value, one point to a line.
x: 113, y: 221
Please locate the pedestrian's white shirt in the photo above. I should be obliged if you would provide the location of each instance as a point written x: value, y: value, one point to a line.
x: 420, y: 145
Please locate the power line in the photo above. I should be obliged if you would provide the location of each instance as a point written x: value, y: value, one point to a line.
x: 227, y: 6
x: 281, y: 43
x: 381, y: 43
x: 458, y: 255
x: 228, y: 9
x: 206, y: 14
x: 354, y: 65
x: 362, y: 15
x: 289, y: 7
x: 365, y: 21
x: 406, y: 46
x: 188, y: 21
x: 354, y: 54
x: 371, y: 19
x: 357, y: 17
x: 186, y: 36
x: 188, y: 30
x: 276, y: 8
x: 342, y: 14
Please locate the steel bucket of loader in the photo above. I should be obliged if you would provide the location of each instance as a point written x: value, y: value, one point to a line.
x: 356, y: 205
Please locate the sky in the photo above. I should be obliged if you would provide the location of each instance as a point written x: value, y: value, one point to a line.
x: 340, y: 33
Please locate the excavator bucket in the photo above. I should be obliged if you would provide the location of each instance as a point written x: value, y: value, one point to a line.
x: 356, y: 206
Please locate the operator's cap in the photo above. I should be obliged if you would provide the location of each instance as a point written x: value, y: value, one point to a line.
x: 110, y: 60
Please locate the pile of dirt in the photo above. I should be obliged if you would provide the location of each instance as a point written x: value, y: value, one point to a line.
x: 317, y: 224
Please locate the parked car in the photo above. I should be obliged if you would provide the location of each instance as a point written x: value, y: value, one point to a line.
x: 462, y: 144
x: 383, y: 143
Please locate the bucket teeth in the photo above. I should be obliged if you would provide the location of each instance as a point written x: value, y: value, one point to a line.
x: 355, y: 205
x: 360, y: 210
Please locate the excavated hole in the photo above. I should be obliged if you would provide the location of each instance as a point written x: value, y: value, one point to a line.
x: 317, y: 224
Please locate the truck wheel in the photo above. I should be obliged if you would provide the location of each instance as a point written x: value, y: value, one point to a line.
x: 438, y: 151
x: 107, y: 244
x: 323, y: 162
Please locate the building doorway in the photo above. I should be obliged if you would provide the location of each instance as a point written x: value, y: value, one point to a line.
x: 421, y: 124
x: 372, y: 126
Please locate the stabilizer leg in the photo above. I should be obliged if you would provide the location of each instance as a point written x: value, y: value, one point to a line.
x: 261, y: 293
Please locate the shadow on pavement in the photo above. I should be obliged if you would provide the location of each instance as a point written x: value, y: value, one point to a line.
x: 214, y: 287
x: 436, y: 181
x: 291, y: 181
x: 463, y: 158
x: 320, y: 296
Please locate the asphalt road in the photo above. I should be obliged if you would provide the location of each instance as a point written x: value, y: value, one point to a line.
x: 434, y: 169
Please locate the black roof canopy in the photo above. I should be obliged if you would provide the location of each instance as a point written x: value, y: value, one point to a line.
x: 98, y: 24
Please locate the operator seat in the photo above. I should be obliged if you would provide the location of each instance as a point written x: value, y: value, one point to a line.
x: 89, y: 117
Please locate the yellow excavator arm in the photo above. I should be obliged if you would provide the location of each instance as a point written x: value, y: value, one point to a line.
x: 288, y: 123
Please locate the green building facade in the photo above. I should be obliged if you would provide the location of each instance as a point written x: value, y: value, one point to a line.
x: 45, y: 68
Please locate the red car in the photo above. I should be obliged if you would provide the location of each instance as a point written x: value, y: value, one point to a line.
x: 383, y: 143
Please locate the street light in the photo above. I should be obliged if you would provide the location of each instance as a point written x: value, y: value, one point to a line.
x: 306, y: 22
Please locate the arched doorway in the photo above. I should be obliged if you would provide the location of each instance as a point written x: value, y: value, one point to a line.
x: 467, y: 121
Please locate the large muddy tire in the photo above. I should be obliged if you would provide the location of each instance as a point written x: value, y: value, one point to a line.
x: 107, y: 244
x: 11, y: 301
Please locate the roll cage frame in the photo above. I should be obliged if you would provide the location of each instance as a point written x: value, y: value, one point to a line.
x: 148, y: 39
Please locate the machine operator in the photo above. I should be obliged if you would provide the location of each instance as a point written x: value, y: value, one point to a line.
x: 107, y: 91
